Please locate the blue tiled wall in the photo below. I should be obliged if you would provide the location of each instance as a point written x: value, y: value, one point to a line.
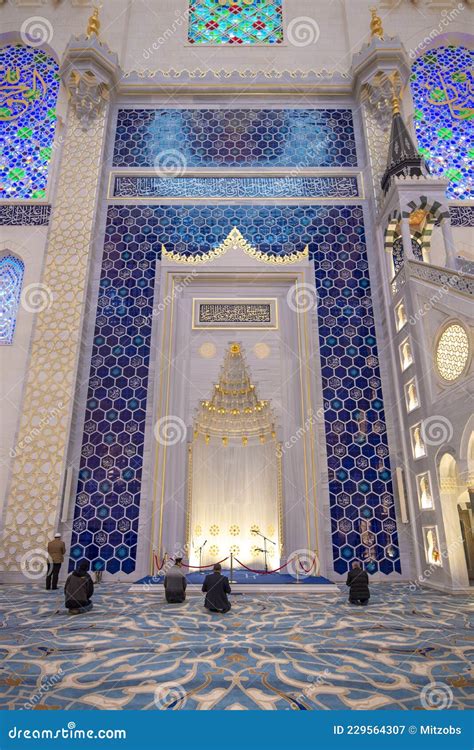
x: 361, y: 496
x: 176, y: 139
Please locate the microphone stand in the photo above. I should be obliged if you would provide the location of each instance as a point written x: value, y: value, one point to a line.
x: 200, y: 555
x: 264, y: 550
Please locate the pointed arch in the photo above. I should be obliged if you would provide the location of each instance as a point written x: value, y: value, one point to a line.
x: 27, y: 120
x: 12, y: 271
x: 441, y: 82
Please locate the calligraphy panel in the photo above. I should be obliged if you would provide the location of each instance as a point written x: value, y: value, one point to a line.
x: 332, y: 187
x: 235, y: 313
x: 29, y: 84
x: 442, y: 85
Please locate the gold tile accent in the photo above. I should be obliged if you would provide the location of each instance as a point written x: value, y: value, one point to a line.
x: 41, y: 448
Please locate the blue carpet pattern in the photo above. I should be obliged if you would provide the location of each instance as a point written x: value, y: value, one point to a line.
x: 305, y: 652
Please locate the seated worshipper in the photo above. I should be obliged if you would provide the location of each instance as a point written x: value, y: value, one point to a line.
x: 78, y: 590
x: 216, y: 587
x: 358, y: 582
x: 175, y: 583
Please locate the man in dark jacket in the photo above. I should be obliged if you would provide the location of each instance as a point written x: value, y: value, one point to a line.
x: 358, y: 582
x: 216, y: 588
x: 78, y: 590
x: 175, y: 583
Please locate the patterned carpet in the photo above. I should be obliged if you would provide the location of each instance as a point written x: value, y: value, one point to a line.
x: 304, y: 652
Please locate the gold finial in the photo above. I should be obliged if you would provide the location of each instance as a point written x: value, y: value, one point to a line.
x: 235, y: 349
x: 93, y: 24
x: 395, y: 96
x: 395, y: 103
x: 376, y: 28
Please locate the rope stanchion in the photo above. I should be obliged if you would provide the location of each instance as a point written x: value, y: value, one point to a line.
x: 158, y: 565
x: 264, y: 572
x: 310, y: 567
x: 211, y: 565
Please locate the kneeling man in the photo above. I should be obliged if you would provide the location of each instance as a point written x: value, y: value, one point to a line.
x: 78, y: 590
x: 175, y: 583
x: 358, y: 582
x: 216, y: 587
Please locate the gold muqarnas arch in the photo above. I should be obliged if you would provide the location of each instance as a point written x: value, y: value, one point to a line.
x: 234, y: 472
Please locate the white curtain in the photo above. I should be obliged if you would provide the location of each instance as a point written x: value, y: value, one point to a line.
x: 234, y: 490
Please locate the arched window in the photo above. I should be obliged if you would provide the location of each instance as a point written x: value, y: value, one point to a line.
x: 29, y: 83
x: 235, y: 22
x: 442, y: 83
x: 11, y: 278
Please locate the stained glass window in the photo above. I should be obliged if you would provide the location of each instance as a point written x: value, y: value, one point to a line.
x: 235, y: 22
x: 29, y: 84
x: 11, y: 278
x: 452, y: 352
x: 442, y: 83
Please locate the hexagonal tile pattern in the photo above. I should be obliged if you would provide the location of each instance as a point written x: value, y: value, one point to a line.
x: 171, y: 139
x: 361, y: 496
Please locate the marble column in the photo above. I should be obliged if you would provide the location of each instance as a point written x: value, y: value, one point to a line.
x: 89, y: 71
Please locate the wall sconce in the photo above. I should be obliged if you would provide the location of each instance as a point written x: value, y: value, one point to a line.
x: 431, y: 544
x: 425, y: 494
x: 406, y: 357
x: 400, y: 316
x: 417, y: 442
x: 411, y: 396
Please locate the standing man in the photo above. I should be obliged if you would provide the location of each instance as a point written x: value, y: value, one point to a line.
x: 216, y: 587
x: 56, y: 551
x: 175, y: 583
x: 358, y: 582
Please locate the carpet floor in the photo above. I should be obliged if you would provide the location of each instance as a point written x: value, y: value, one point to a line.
x: 406, y: 650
